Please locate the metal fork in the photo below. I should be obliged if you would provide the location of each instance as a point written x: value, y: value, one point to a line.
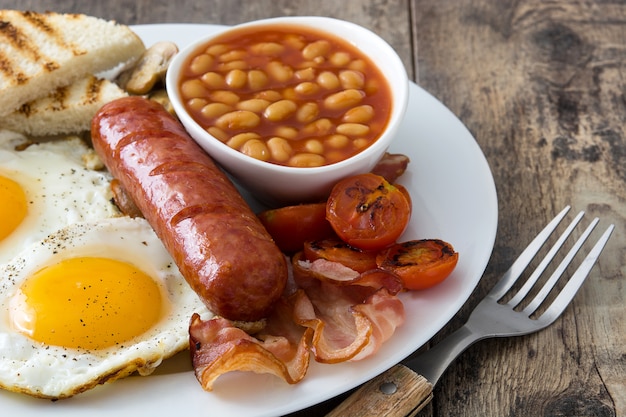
x: 406, y: 388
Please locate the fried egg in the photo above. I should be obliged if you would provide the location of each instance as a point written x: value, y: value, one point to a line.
x: 45, y: 187
x: 91, y: 303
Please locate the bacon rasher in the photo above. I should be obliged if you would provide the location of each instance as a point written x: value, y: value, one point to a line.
x: 282, y: 348
x: 334, y: 313
x: 351, y: 314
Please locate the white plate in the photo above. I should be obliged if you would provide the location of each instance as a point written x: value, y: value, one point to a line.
x: 454, y: 199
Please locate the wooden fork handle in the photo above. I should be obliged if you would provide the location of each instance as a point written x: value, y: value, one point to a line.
x: 397, y: 392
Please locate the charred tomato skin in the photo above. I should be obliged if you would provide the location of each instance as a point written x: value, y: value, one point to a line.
x: 336, y: 250
x: 368, y: 212
x: 421, y: 264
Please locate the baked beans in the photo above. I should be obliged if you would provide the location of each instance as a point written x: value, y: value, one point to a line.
x: 287, y: 95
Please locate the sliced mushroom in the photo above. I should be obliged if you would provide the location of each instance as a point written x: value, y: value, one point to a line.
x: 123, y: 201
x: 160, y: 96
x: 149, y: 70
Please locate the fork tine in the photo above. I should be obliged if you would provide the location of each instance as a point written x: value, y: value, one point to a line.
x: 569, y: 291
x: 530, y: 282
x: 520, y: 264
x: 551, y: 282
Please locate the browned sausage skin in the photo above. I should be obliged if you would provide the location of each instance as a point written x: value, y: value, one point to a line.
x: 219, y: 245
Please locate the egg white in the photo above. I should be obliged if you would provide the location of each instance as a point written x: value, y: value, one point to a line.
x: 59, y: 189
x: 45, y: 371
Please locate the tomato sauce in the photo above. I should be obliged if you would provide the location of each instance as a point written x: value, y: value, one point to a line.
x: 287, y: 95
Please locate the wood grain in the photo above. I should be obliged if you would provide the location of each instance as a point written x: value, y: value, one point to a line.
x: 541, y: 86
x: 388, y: 18
x: 398, y: 392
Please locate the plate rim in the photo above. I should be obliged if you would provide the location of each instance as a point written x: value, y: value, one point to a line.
x: 493, y: 206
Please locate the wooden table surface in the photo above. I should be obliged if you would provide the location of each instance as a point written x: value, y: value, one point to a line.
x: 542, y: 87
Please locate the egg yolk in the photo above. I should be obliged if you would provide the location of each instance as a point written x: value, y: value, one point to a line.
x: 89, y: 303
x: 13, y: 207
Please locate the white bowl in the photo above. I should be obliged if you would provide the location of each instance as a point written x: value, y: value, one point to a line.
x: 275, y: 184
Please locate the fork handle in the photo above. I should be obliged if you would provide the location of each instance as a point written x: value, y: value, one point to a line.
x: 397, y: 392
x: 402, y: 392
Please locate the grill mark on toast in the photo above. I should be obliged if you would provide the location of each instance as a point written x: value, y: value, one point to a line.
x: 18, y: 38
x: 58, y: 99
x: 13, y: 36
x: 94, y: 90
x: 91, y: 94
x: 33, y: 50
x: 25, y: 109
x: 6, y: 67
x: 42, y: 22
x: 61, y: 98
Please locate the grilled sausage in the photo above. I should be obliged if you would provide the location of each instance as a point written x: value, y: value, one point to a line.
x: 218, y: 243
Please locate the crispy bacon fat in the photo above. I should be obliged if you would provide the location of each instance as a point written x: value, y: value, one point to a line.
x: 331, y: 312
x: 334, y: 314
x: 351, y: 314
x: 218, y: 347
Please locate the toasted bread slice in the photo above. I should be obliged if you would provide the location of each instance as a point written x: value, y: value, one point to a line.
x: 42, y: 51
x: 66, y: 110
